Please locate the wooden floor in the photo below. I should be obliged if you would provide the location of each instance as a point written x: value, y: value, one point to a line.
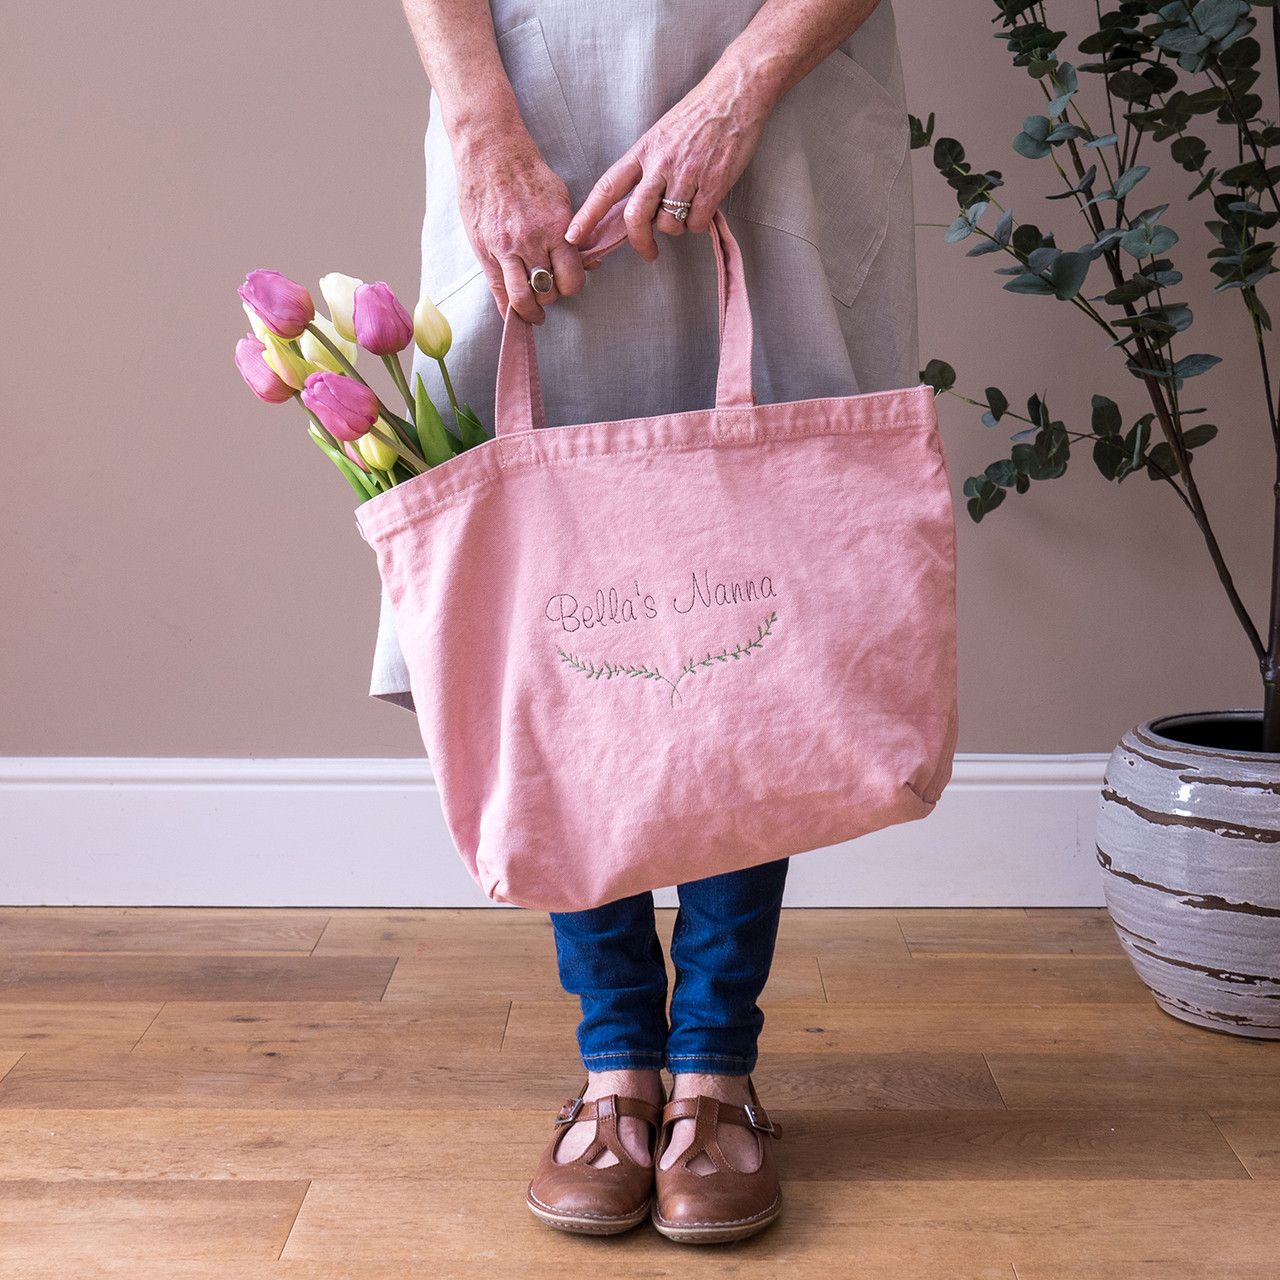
x: 362, y: 1095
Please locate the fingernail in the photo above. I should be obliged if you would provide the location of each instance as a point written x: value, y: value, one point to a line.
x: 573, y: 233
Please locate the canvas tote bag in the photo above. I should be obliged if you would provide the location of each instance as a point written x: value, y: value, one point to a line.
x: 648, y: 651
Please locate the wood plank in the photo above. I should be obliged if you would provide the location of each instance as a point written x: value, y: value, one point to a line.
x: 574, y: 1259
x: 138, y: 930
x: 66, y: 1222
x: 8, y: 1061
x: 1239, y: 1073
x: 301, y: 1076
x: 537, y: 1026
x: 831, y: 1146
x: 272, y: 1146
x: 999, y: 980
x: 876, y: 1081
x: 68, y: 1027
x: 427, y: 932
x: 130, y: 979
x: 473, y: 1025
x: 1254, y: 1137
x: 997, y: 932
x: 957, y: 1228
x: 535, y: 977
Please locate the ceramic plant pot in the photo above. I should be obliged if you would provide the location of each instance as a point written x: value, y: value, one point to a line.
x: 1189, y: 843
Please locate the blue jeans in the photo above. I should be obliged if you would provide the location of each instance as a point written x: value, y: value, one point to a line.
x: 722, y: 947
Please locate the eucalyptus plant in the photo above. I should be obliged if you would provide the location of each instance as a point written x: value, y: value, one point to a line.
x: 1169, y: 73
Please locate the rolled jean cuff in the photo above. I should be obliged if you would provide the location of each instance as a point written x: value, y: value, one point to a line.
x: 625, y: 1060
x: 710, y: 1064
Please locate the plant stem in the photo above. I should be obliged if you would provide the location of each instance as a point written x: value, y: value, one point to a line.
x: 448, y: 384
x: 397, y: 376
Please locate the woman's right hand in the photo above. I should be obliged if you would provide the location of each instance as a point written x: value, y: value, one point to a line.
x: 516, y: 211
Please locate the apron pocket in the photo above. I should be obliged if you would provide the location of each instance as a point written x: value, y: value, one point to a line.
x: 824, y: 168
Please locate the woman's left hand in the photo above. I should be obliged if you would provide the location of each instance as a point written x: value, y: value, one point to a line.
x: 694, y: 154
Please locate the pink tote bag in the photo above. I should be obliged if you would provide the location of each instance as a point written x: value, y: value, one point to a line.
x: 649, y: 651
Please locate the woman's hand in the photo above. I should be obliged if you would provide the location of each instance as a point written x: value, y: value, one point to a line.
x: 694, y: 154
x: 516, y: 210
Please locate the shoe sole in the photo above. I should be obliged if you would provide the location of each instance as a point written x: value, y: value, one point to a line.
x: 716, y: 1232
x: 586, y: 1224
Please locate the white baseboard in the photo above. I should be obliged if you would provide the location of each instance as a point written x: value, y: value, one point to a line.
x: 1011, y: 830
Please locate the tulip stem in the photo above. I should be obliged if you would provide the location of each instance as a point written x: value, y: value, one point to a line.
x: 397, y: 376
x: 448, y: 384
x: 350, y: 371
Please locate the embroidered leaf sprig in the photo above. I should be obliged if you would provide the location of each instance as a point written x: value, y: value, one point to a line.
x: 595, y: 671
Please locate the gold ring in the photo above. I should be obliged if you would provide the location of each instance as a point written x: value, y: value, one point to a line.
x: 541, y: 280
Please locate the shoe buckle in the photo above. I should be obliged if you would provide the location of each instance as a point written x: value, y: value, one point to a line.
x: 754, y: 1117
x: 574, y: 1108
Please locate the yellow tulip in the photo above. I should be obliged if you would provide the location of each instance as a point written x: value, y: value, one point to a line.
x: 381, y: 457
x: 339, y: 293
x: 320, y: 355
x: 291, y: 367
x: 431, y: 330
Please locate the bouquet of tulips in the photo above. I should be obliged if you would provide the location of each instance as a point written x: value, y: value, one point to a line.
x: 293, y: 353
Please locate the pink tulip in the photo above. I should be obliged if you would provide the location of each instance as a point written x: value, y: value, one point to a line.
x: 382, y: 325
x: 283, y: 305
x: 263, y: 380
x: 346, y: 408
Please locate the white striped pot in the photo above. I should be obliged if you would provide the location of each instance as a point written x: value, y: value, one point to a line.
x: 1189, y: 844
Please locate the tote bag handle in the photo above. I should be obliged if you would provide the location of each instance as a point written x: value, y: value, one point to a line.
x: 519, y: 405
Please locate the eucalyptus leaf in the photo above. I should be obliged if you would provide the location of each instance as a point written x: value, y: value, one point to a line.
x: 939, y: 375
x: 1106, y: 417
x: 1193, y: 366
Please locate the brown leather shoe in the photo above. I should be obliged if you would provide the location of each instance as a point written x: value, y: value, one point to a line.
x: 715, y: 1208
x: 580, y: 1196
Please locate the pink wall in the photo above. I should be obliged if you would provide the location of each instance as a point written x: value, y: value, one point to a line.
x: 181, y: 570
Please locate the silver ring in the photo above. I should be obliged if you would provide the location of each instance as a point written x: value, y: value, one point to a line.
x: 678, y: 209
x: 541, y: 280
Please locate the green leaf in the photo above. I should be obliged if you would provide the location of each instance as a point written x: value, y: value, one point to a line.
x: 1029, y: 282
x: 1161, y: 464
x: 1110, y: 457
x: 470, y: 432
x: 997, y: 402
x: 1068, y: 274
x: 432, y: 436
x: 1128, y: 180
x: 1004, y: 473
x: 983, y: 496
x: 1189, y: 151
x: 1199, y: 435
x: 939, y: 375
x: 947, y: 153
x: 1193, y: 366
x: 1143, y: 241
x: 921, y: 134
x: 1129, y: 87
x: 1106, y: 417
x: 1130, y: 291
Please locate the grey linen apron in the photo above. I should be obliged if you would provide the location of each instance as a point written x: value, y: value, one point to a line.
x: 823, y: 214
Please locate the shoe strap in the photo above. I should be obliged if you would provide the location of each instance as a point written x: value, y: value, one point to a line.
x: 609, y: 1107
x: 752, y: 1116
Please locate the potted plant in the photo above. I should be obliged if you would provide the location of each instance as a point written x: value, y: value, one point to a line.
x: 1189, y: 822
